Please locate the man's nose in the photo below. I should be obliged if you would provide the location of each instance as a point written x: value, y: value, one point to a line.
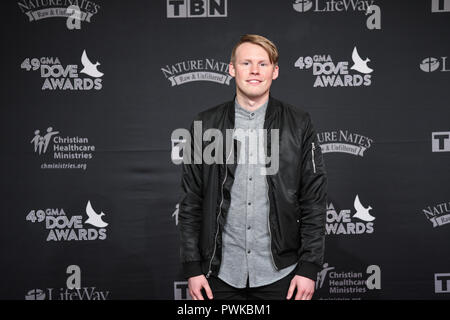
x: 254, y: 69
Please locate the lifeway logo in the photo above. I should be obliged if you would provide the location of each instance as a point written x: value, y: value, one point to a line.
x: 330, y: 74
x: 438, y: 214
x: 60, y: 227
x: 57, y: 77
x: 344, y: 141
x: 73, y: 290
x: 75, y: 149
x: 440, y: 141
x: 349, y: 282
x: 197, y: 8
x: 343, y: 222
x: 431, y: 64
x: 368, y: 7
x: 197, y: 70
x: 73, y: 11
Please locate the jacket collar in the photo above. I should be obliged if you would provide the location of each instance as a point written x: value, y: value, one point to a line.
x: 272, y: 108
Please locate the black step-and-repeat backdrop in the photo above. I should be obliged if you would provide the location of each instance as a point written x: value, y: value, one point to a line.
x: 93, y: 89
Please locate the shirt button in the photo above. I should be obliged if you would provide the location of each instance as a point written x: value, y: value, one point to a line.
x: 250, y: 178
x: 248, y: 228
x: 248, y: 251
x: 249, y: 203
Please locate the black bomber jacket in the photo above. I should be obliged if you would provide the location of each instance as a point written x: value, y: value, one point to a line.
x: 297, y: 194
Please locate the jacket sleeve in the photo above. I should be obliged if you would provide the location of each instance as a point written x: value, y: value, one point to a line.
x: 190, y: 210
x: 312, y: 199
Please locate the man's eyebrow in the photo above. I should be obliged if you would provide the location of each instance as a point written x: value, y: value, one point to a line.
x: 263, y: 60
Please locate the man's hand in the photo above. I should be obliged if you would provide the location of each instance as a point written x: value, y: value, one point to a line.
x: 195, y: 286
x: 305, y: 288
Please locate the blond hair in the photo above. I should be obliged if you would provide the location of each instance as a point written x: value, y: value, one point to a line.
x: 261, y: 41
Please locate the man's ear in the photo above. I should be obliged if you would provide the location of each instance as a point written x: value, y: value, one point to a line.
x: 276, y: 70
x: 231, y: 69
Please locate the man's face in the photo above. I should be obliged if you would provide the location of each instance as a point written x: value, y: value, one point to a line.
x: 252, y: 71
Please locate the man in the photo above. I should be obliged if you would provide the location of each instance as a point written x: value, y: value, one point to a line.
x: 248, y: 233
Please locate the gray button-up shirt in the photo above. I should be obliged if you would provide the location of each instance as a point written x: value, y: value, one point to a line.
x: 246, y: 237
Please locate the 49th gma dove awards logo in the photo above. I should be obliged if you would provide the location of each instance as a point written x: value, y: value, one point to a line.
x: 329, y: 73
x: 207, y: 69
x: 55, y: 76
x: 61, y: 227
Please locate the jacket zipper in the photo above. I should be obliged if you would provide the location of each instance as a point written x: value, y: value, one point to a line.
x: 220, y: 211
x: 312, y: 156
x: 268, y: 225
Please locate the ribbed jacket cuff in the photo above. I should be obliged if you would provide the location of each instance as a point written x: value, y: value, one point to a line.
x: 192, y: 269
x: 308, y: 270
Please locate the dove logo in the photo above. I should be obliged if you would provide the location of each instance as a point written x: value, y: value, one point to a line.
x: 359, y: 64
x: 342, y: 222
x: 362, y: 213
x: 302, y: 5
x: 62, y: 227
x: 89, y: 68
x: 94, y: 218
x: 336, y: 74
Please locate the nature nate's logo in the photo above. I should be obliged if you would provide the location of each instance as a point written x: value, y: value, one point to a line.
x: 332, y: 281
x: 337, y: 74
x: 346, y: 223
x: 438, y: 214
x: 73, y: 290
x: 61, y: 227
x: 197, y: 70
x: 75, y: 11
x: 75, y: 151
x: 70, y: 77
x: 369, y: 8
x: 344, y: 141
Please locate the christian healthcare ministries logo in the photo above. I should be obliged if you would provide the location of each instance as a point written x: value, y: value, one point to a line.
x: 57, y: 77
x: 74, y: 11
x: 330, y: 74
x: 438, y: 214
x: 62, y: 228
x: 197, y: 8
x: 197, y: 70
x: 431, y: 64
x: 344, y: 141
x: 76, y: 150
x: 344, y: 222
x: 72, y: 291
x: 332, y: 282
x: 322, y: 6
